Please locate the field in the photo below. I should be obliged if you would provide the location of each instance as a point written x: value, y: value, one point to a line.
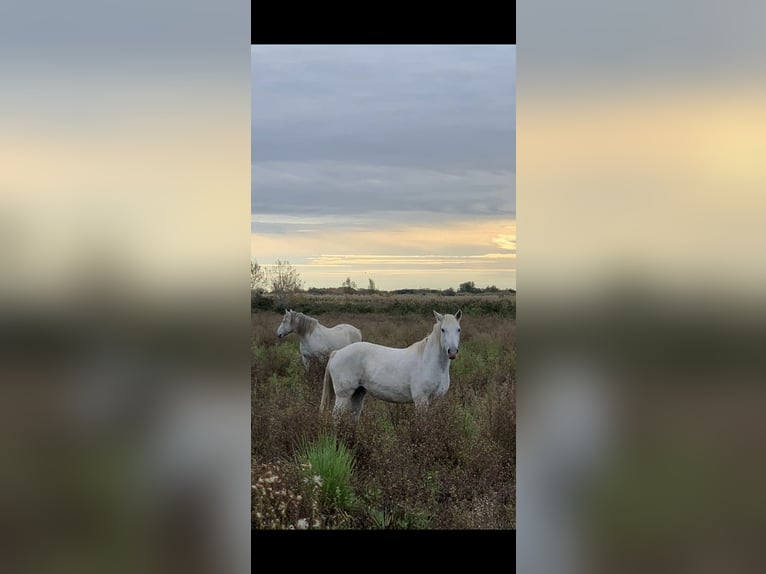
x: 451, y: 466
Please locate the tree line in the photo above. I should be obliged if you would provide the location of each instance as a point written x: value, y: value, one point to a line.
x: 282, y: 279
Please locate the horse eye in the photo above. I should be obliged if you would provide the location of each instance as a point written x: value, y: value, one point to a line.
x: 458, y: 330
x: 442, y: 330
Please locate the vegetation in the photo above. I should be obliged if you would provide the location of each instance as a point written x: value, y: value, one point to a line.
x: 348, y: 285
x: 285, y: 281
x: 314, y: 302
x: 330, y: 465
x: 470, y: 287
x: 257, y: 277
x: 286, y: 285
x: 451, y: 466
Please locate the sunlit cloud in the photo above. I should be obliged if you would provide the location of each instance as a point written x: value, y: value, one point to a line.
x: 505, y: 242
x: 449, y: 254
x: 399, y: 260
x: 457, y: 237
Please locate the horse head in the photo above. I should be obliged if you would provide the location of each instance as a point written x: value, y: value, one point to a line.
x: 286, y: 326
x: 450, y: 332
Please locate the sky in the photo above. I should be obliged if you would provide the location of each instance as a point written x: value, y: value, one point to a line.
x: 395, y: 163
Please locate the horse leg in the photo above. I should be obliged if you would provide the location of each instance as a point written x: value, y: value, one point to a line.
x: 341, y: 406
x: 357, y: 402
x: 305, y: 363
x: 421, y: 401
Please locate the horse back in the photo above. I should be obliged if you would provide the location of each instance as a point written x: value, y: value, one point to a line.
x: 363, y: 357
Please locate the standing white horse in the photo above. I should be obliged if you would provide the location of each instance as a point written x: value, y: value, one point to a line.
x: 410, y: 375
x: 317, y: 341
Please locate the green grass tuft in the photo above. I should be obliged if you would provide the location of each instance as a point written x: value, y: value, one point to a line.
x: 332, y: 463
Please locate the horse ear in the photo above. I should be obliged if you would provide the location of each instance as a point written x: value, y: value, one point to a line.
x: 438, y: 316
x: 458, y: 315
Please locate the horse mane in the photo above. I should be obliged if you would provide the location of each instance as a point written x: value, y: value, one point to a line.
x: 420, y: 346
x: 304, y: 325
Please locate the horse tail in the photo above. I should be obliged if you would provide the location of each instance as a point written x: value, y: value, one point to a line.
x: 326, y: 388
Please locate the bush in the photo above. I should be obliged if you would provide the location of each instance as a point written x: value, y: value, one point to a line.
x: 260, y: 302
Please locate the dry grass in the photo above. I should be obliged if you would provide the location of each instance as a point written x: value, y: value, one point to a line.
x: 450, y: 466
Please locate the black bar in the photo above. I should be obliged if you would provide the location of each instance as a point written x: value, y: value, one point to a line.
x: 382, y: 24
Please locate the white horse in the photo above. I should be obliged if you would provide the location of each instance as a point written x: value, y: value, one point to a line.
x: 317, y: 341
x: 410, y: 375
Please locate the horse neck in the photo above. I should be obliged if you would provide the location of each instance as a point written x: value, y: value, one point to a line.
x: 304, y: 324
x: 434, y: 347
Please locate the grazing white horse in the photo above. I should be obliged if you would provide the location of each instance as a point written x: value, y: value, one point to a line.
x: 410, y: 375
x: 317, y: 341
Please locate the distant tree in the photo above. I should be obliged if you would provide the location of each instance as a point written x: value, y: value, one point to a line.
x: 468, y: 287
x: 491, y: 289
x: 371, y: 288
x: 449, y: 292
x: 285, y: 281
x: 348, y: 285
x: 257, y: 276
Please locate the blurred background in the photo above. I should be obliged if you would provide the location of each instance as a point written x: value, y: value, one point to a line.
x: 124, y: 217
x: 641, y: 143
x: 124, y: 226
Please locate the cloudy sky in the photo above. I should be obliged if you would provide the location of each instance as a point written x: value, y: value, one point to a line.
x: 395, y: 163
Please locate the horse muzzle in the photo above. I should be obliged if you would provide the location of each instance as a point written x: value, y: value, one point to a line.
x: 452, y: 354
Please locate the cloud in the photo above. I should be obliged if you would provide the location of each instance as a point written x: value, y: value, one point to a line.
x: 505, y: 241
x: 467, y: 240
x: 417, y: 260
x: 358, y: 129
x: 334, y: 189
